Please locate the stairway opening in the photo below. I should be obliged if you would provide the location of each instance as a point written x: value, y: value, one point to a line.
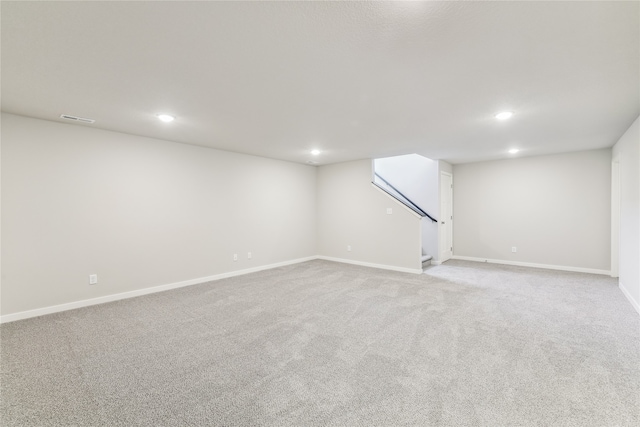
x: 413, y: 180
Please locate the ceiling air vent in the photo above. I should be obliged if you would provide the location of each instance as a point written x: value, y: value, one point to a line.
x: 76, y: 119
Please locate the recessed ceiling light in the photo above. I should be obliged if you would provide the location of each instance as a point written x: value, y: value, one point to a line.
x: 166, y: 118
x: 513, y: 151
x: 76, y: 118
x: 504, y: 115
x: 315, y: 152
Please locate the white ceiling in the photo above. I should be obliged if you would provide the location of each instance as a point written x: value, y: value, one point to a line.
x: 356, y: 80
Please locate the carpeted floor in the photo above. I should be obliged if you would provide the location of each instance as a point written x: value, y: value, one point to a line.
x: 327, y: 344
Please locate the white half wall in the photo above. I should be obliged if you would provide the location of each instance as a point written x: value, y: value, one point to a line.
x: 417, y: 178
x: 352, y: 212
x: 556, y: 210
x: 138, y: 212
x: 626, y: 153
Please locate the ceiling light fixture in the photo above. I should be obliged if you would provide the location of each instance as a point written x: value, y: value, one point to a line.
x: 76, y: 118
x: 166, y: 118
x: 315, y: 152
x: 513, y: 151
x: 504, y: 115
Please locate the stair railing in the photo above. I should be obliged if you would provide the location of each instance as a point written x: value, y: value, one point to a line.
x: 410, y: 203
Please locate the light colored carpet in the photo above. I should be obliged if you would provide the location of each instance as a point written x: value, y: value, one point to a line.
x: 326, y: 344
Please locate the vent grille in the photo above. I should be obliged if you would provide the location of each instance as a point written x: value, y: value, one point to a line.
x: 76, y: 119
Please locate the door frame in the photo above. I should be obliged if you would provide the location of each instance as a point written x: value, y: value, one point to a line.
x: 445, y: 255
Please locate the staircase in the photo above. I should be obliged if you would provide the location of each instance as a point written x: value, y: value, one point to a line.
x: 412, y: 177
x: 426, y: 260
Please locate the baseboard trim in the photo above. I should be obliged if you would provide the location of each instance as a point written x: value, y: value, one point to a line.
x: 534, y: 265
x: 626, y: 293
x: 372, y: 265
x: 139, y: 292
x: 433, y: 262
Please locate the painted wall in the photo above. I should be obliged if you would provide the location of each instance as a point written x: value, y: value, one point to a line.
x: 445, y: 167
x: 351, y: 212
x: 627, y: 153
x: 416, y: 177
x: 138, y: 212
x: 555, y: 209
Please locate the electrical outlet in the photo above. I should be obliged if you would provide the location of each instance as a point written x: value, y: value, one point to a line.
x: 349, y: 248
x: 235, y: 257
x: 93, y: 279
x: 248, y: 255
x: 514, y: 249
x: 389, y: 211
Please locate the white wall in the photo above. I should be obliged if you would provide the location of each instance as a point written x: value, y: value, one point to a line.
x: 627, y: 153
x: 139, y: 212
x: 352, y: 212
x: 445, y: 167
x: 417, y: 178
x: 555, y: 209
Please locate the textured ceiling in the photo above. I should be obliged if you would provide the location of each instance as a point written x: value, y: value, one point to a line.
x: 356, y: 80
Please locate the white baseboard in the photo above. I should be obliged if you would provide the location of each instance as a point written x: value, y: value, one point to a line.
x: 139, y: 292
x: 131, y: 294
x: 626, y: 293
x: 372, y: 265
x: 434, y: 262
x: 530, y: 264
